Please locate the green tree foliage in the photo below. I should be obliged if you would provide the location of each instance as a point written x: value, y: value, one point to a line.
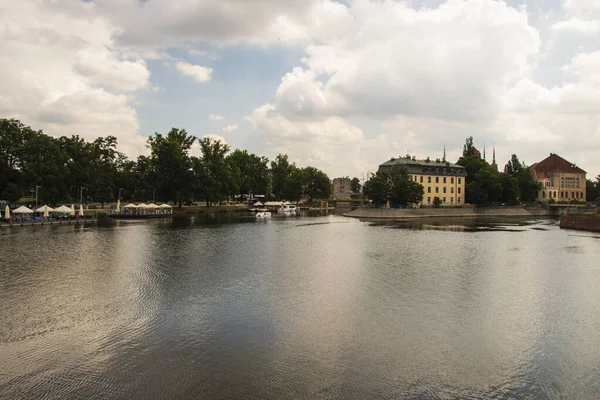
x: 394, y: 185
x: 61, y: 167
x: 483, y: 182
x: 528, y: 186
x: 355, y: 185
x: 171, y: 164
x: 592, y: 189
x: 510, y: 189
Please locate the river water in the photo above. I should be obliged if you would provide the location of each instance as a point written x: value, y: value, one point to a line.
x: 292, y: 308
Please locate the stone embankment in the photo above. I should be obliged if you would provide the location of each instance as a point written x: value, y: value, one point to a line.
x: 406, y: 213
x: 581, y: 223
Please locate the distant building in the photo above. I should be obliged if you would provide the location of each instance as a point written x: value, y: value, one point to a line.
x: 341, y: 188
x: 439, y: 179
x: 561, y: 180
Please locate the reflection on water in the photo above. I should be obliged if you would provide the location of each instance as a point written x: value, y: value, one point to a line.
x: 325, y: 307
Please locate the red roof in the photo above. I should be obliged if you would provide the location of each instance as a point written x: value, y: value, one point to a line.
x: 554, y: 163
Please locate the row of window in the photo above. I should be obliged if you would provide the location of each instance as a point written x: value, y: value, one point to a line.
x: 564, y: 182
x: 562, y: 195
x: 437, y: 179
x: 444, y: 200
x: 437, y: 189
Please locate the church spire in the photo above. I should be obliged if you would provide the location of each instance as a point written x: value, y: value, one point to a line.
x: 484, y: 152
x: 444, y: 152
x: 494, y: 165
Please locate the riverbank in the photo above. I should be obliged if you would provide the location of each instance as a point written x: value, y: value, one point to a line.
x: 408, y: 213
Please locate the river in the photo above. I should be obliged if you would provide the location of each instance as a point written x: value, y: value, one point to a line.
x: 291, y: 308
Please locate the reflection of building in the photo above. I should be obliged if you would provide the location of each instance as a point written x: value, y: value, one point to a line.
x: 561, y: 180
x: 439, y: 179
x: 341, y: 188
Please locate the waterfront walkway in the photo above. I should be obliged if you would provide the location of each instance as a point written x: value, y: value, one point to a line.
x: 406, y: 213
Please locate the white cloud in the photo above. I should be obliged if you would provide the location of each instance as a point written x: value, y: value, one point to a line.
x: 230, y: 128
x: 216, y: 137
x: 215, y: 117
x: 578, y: 25
x: 57, y: 70
x: 159, y: 23
x: 198, y: 72
x: 588, y: 9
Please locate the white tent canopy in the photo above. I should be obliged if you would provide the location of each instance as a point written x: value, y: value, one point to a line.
x: 43, y: 208
x: 258, y: 203
x: 151, y: 205
x: 130, y: 205
x: 273, y: 203
x: 23, y: 210
x: 63, y: 210
x: 165, y: 205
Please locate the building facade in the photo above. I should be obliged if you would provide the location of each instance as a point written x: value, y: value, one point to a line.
x: 341, y: 188
x: 439, y: 178
x: 561, y: 180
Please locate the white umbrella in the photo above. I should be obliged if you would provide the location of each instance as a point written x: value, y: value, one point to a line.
x: 72, y: 212
x: 258, y: 203
x: 7, y: 213
x: 46, y: 211
x: 118, y: 207
x: 151, y: 205
x: 165, y: 205
x: 63, y: 210
x: 23, y: 210
x: 130, y: 205
x: 81, y: 210
x: 142, y: 205
x: 43, y: 208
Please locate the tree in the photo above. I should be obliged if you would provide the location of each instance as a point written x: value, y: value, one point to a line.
x: 468, y: 148
x: 280, y: 174
x: 171, y: 164
x: 11, y: 192
x: 250, y: 172
x: 394, y: 185
x: 592, y: 189
x: 376, y: 189
x: 437, y: 202
x: 355, y: 185
x: 510, y: 189
x: 219, y: 181
x: 317, y: 184
x: 528, y: 186
x: 482, y: 182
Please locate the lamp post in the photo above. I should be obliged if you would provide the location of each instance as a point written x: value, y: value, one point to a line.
x: 36, y: 195
x: 120, y: 193
x: 81, y: 194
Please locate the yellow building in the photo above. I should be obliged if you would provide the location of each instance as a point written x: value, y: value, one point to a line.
x: 561, y: 180
x: 439, y: 178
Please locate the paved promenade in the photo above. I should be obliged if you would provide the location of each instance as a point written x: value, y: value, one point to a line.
x: 405, y: 213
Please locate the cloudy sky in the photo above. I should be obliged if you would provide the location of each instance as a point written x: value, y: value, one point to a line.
x: 339, y: 84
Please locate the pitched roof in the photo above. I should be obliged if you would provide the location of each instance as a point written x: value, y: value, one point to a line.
x: 431, y: 167
x: 554, y: 163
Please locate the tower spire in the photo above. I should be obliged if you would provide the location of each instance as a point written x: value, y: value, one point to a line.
x: 444, y: 152
x: 494, y: 165
x: 484, y: 152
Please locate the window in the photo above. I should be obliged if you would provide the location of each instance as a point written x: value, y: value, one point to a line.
x: 572, y: 194
x: 458, y: 190
x: 444, y: 190
x: 459, y: 181
x: 437, y: 189
x: 561, y: 195
x: 421, y: 179
x: 444, y: 179
x: 451, y: 200
x: 459, y: 200
x: 444, y: 200
x: 452, y: 181
x: 428, y: 179
x: 437, y: 179
x: 428, y: 189
x: 555, y: 194
x: 543, y: 194
x: 429, y: 200
x: 451, y: 190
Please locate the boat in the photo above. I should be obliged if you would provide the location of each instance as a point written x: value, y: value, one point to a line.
x: 287, y: 209
x: 263, y: 213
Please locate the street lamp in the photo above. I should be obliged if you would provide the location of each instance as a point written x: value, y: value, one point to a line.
x: 81, y: 194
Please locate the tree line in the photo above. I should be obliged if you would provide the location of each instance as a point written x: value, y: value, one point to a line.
x: 66, y: 168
